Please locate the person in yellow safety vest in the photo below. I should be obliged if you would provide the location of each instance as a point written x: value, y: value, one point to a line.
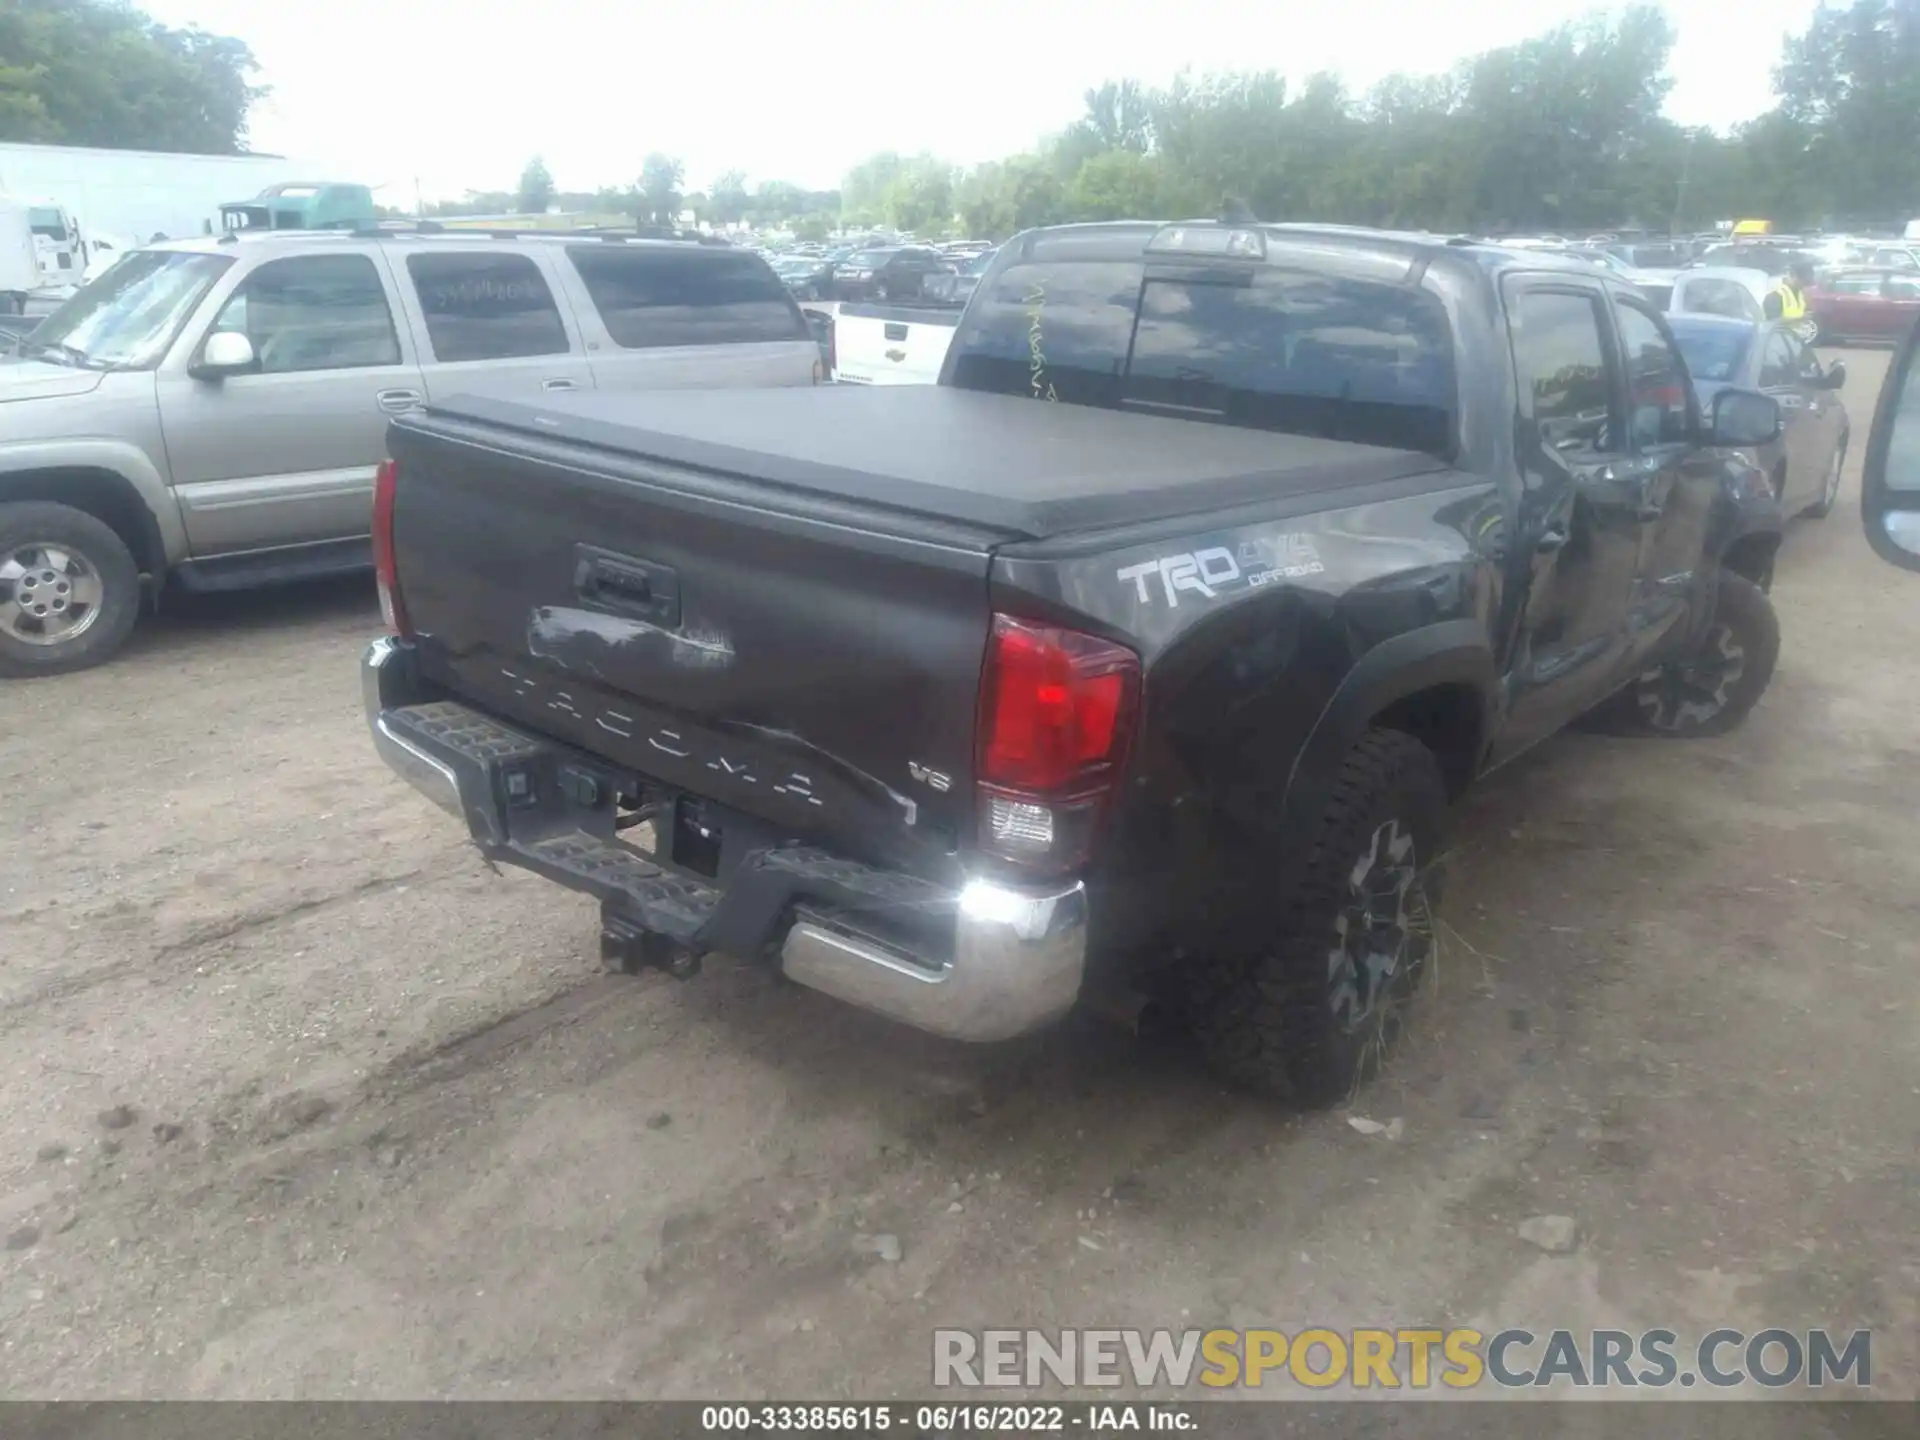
x: 1787, y: 300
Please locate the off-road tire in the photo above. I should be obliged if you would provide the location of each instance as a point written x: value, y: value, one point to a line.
x: 1264, y: 1012
x: 1663, y: 703
x: 43, y: 522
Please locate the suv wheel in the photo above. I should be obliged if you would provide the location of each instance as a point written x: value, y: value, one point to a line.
x: 1308, y: 1014
x: 1712, y: 690
x: 69, y: 590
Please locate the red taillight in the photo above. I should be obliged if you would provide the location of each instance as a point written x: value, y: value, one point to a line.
x: 1056, y: 712
x: 386, y: 572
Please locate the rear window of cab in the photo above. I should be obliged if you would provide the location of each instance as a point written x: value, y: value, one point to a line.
x: 1262, y: 347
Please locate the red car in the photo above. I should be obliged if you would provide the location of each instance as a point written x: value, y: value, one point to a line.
x: 1865, y: 304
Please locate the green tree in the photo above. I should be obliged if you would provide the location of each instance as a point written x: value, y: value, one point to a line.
x: 729, y: 198
x: 658, y: 194
x: 1120, y: 116
x: 99, y: 72
x: 1547, y: 125
x: 1849, y: 89
x: 1117, y: 185
x: 864, y: 191
x: 1221, y: 134
x: 775, y: 202
x: 980, y: 203
x: 1564, y: 130
x: 536, y: 188
x: 920, y: 199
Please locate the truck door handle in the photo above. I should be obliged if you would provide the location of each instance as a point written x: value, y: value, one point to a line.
x: 561, y: 383
x: 398, y: 402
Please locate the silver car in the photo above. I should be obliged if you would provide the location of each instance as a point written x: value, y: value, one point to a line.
x: 210, y: 413
x: 1804, y: 462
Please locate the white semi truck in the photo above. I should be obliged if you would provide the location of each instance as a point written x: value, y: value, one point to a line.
x: 134, y: 195
x: 40, y: 251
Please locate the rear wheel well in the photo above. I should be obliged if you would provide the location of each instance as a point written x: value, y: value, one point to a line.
x: 1447, y: 719
x: 104, y: 495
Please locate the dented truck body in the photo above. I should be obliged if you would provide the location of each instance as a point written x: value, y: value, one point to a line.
x: 946, y: 699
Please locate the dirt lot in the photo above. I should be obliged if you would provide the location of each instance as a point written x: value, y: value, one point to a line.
x: 298, y: 1099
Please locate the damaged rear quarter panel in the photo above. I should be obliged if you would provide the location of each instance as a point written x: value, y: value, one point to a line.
x: 1245, y: 630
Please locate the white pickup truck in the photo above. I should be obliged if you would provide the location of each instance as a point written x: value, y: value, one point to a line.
x: 892, y: 344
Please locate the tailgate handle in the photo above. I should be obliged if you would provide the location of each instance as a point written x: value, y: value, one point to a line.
x: 624, y: 585
x: 896, y: 332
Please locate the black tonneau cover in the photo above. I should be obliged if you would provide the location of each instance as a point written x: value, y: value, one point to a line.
x: 1027, y: 469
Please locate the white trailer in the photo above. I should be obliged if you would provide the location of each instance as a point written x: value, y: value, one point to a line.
x: 19, y: 262
x: 136, y: 194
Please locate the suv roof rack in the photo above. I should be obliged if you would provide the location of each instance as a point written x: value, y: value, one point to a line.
x: 402, y: 229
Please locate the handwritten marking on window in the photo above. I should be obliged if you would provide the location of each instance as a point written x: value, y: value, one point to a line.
x: 1035, y: 301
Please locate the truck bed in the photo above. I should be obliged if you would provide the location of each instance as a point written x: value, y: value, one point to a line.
x: 1005, y: 464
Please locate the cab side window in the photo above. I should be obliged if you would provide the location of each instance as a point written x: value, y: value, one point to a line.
x: 314, y: 312
x: 1658, y: 409
x: 1777, y: 366
x: 1560, y: 361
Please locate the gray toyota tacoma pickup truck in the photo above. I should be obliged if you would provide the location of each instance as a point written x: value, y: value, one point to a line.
x: 1147, y: 648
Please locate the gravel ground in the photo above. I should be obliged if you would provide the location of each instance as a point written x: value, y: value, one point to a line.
x: 298, y: 1100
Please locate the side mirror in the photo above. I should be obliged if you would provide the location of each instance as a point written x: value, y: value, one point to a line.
x: 1890, y: 477
x: 1836, y: 375
x: 1744, y: 418
x: 227, y: 352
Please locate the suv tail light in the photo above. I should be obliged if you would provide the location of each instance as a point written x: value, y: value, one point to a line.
x: 393, y: 609
x: 1057, y: 711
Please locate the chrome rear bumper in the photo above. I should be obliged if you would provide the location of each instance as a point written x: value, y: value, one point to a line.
x: 1017, y: 955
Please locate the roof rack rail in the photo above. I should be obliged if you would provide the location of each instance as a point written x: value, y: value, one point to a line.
x: 539, y: 232
x: 403, y: 228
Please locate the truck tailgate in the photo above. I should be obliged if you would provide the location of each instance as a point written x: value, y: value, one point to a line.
x: 892, y: 345
x: 771, y: 653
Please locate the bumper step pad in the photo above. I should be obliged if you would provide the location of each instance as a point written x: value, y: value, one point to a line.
x: 454, y: 727
x: 664, y: 903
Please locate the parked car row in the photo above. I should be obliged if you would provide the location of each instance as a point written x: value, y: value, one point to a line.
x: 905, y: 273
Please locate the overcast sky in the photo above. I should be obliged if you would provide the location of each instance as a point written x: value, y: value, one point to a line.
x: 460, y: 95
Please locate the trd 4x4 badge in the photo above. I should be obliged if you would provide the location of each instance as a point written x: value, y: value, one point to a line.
x: 1263, y: 560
